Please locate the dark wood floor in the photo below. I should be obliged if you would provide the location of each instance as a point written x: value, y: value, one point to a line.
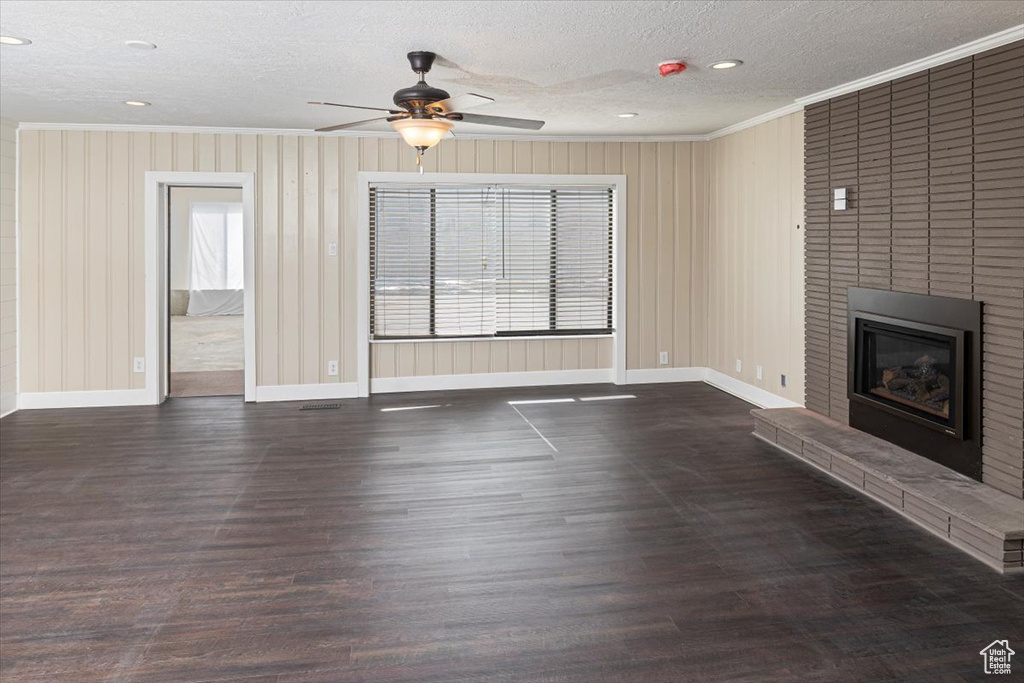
x: 205, y: 540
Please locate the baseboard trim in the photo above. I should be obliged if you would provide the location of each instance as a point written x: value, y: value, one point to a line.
x: 306, y: 392
x: 388, y: 385
x: 489, y: 380
x: 748, y: 392
x: 656, y: 375
x: 43, y: 400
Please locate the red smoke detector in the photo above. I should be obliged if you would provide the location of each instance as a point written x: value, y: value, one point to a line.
x: 671, y: 68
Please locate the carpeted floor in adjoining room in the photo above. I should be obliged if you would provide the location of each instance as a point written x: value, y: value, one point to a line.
x: 207, y: 357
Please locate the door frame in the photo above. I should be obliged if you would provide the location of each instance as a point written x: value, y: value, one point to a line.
x: 157, y: 280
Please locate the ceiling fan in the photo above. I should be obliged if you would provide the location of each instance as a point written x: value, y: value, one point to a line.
x: 426, y: 114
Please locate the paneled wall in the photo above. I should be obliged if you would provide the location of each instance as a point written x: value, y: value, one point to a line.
x: 407, y: 359
x: 82, y: 250
x: 754, y: 265
x: 660, y: 258
x: 934, y: 163
x: 8, y: 268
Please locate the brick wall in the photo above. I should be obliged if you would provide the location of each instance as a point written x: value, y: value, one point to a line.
x: 934, y: 166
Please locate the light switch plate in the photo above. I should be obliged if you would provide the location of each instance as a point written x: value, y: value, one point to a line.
x: 739, y: 365
x: 839, y: 199
x: 760, y: 373
x: 663, y: 357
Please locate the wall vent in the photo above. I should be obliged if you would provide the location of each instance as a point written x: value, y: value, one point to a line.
x: 320, y: 406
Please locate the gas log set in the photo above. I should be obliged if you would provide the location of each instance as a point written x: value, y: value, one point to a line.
x: 923, y: 385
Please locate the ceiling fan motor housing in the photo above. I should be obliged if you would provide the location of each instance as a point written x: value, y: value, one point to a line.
x: 416, y: 98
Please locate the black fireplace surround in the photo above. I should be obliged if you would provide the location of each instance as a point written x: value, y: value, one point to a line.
x: 915, y: 373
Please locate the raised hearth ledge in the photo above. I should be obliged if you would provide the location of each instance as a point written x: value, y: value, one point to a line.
x: 978, y: 519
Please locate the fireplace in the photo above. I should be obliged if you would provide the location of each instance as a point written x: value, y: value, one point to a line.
x: 915, y: 374
x: 911, y: 370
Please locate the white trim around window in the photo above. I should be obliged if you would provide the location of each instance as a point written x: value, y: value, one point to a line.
x: 368, y: 178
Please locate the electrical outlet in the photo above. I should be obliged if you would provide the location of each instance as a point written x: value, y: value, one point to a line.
x: 332, y: 368
x: 663, y: 357
x: 139, y: 365
x: 782, y: 380
x: 760, y: 374
x: 332, y: 249
x: 739, y: 365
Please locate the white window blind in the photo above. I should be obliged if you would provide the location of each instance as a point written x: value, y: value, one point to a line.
x: 483, y: 261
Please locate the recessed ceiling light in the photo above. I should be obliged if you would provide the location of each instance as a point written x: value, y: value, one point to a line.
x: 726, y: 64
x: 627, y: 115
x: 14, y: 40
x: 136, y: 103
x: 140, y: 44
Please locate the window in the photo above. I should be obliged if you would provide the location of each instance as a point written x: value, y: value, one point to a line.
x: 490, y: 261
x: 215, y: 246
x: 216, y: 261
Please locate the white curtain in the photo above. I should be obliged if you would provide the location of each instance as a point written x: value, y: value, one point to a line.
x: 216, y: 275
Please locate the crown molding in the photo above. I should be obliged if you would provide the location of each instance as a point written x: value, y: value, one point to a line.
x: 196, y: 130
x: 993, y: 41
x: 974, y: 47
x: 756, y: 121
x: 212, y: 130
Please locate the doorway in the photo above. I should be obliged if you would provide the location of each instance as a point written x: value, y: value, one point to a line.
x: 200, y: 285
x: 207, y: 286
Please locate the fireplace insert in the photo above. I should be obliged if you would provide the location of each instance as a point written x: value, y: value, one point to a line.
x: 912, y: 370
x: 914, y: 374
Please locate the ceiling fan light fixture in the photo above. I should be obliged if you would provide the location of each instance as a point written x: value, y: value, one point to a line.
x: 726, y: 64
x: 423, y: 133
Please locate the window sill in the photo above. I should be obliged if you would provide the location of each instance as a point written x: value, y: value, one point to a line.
x: 463, y: 340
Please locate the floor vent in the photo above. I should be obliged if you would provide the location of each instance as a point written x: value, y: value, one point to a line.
x: 320, y: 406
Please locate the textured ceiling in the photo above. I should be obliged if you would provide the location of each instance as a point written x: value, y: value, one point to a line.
x: 574, y: 64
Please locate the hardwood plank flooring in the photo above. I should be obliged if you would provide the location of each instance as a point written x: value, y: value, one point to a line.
x: 646, y: 539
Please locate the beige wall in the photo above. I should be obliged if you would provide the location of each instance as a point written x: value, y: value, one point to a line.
x: 755, y: 255
x: 409, y: 359
x: 181, y: 198
x: 8, y: 268
x: 82, y: 251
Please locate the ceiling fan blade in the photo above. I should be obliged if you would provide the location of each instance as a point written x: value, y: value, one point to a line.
x: 356, y: 106
x: 341, y: 126
x: 529, y: 124
x: 460, y: 102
